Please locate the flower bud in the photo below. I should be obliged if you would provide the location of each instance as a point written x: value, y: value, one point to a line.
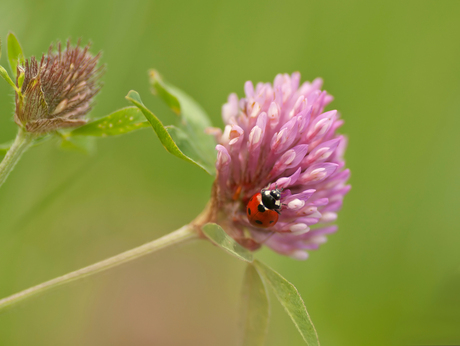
x: 57, y: 91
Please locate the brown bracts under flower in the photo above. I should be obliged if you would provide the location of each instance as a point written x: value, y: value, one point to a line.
x: 58, y: 90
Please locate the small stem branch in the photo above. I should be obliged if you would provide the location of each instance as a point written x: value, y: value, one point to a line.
x: 20, y: 145
x: 183, y: 234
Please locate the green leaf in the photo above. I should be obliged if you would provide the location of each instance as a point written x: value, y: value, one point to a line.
x: 21, y: 79
x: 183, y: 141
x: 122, y: 121
x: 7, y: 77
x: 85, y: 145
x: 217, y: 235
x: 254, y: 309
x: 193, y: 120
x: 160, y: 90
x: 163, y: 133
x: 292, y: 302
x: 15, y: 54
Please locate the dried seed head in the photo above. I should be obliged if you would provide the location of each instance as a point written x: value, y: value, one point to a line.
x: 57, y: 91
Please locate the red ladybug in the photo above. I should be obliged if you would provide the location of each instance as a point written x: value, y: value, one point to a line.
x: 263, y: 208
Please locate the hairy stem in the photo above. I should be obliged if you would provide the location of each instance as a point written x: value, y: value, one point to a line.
x: 20, y: 145
x: 183, y: 234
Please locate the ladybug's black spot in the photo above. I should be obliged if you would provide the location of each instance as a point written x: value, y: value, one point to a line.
x: 259, y: 222
x: 261, y: 208
x: 271, y: 221
x: 249, y: 211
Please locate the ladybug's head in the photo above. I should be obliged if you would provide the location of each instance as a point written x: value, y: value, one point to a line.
x: 276, y: 194
x: 271, y: 199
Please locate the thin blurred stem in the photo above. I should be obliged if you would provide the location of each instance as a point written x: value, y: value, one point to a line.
x: 181, y: 235
x: 20, y: 145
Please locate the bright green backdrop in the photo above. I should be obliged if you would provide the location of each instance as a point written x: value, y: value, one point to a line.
x: 391, y: 275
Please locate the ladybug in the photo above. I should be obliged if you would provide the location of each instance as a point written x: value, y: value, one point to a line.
x: 263, y: 208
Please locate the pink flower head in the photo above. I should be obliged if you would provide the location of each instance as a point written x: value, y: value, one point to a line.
x: 279, y: 135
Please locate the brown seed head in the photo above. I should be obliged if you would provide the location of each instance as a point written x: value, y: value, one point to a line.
x: 57, y: 92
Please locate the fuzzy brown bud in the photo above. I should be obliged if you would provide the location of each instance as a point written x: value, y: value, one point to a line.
x: 58, y: 90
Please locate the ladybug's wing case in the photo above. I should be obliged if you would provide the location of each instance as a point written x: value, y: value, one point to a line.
x: 258, y: 215
x: 252, y: 207
x: 269, y: 218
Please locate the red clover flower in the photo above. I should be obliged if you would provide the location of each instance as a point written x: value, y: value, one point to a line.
x: 280, y: 136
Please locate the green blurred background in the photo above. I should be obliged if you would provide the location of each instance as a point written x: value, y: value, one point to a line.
x: 390, y: 276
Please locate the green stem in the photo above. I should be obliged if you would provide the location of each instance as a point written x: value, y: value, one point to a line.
x: 183, y: 234
x: 20, y: 145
